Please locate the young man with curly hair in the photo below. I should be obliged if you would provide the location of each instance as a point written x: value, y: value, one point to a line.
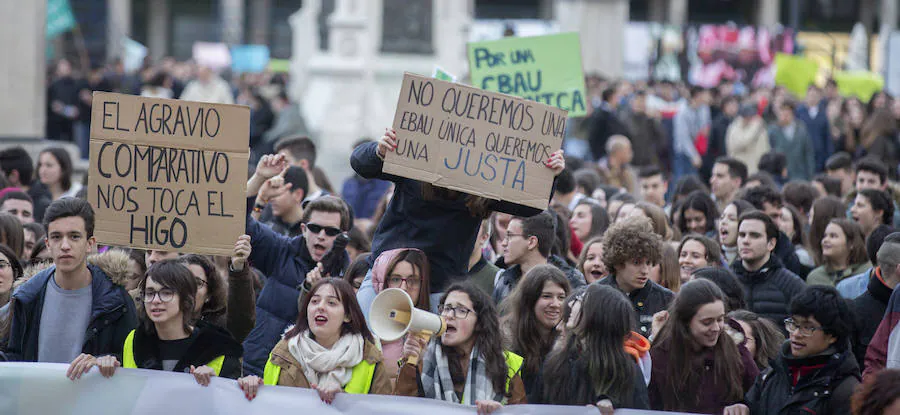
x: 630, y: 250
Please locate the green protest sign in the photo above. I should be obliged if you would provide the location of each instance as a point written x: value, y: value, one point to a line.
x: 546, y: 69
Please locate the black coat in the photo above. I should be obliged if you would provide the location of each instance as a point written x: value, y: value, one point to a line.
x: 647, y: 301
x: 574, y: 385
x: 604, y: 122
x: 113, y: 316
x: 823, y: 392
x: 869, y: 311
x: 768, y: 291
x: 786, y: 253
x: 209, y: 342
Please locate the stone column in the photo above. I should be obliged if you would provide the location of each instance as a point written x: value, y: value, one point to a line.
x: 232, y: 16
x: 158, y: 16
x: 889, y: 14
x: 601, y: 24
x: 118, y: 25
x: 678, y: 12
x: 22, y: 34
x: 260, y: 12
x: 768, y: 13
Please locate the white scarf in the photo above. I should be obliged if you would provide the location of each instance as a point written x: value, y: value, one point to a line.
x: 327, y: 368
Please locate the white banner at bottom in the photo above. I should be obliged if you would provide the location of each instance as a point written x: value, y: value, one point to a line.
x: 42, y: 388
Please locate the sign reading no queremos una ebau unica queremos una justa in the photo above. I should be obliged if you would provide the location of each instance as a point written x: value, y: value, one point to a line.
x: 474, y: 141
x: 168, y: 174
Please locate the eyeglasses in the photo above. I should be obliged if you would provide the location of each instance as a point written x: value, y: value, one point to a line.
x: 457, y: 312
x: 805, y: 331
x: 201, y: 283
x: 329, y: 230
x: 411, y: 282
x: 165, y: 295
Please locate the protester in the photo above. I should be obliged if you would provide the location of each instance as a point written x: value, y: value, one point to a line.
x: 843, y: 254
x: 871, y: 305
x: 879, y: 395
x: 55, y: 170
x: 823, y: 211
x: 768, y: 286
x: 856, y: 285
x: 228, y: 304
x: 698, y: 215
x: 590, y: 262
x: 363, y: 194
x: 526, y: 246
x: 604, y: 123
x: 691, y: 132
x: 645, y: 132
x: 208, y: 87
x: 416, y: 206
x: 589, y: 220
x: 800, y: 194
x: 872, y: 208
x: 813, y: 113
x: 653, y: 185
x: 615, y: 169
x: 18, y: 204
x: 840, y: 166
x: 815, y: 371
x: 467, y: 364
x: 167, y: 337
x: 728, y: 175
x: 630, y: 249
x: 697, y: 367
x: 793, y: 224
x: 72, y: 311
x: 762, y: 338
x: 769, y: 201
x: 790, y: 138
x: 728, y: 228
x: 357, y: 270
x: 667, y: 273
x: 695, y: 252
x: 12, y: 234
x: 328, y: 349
x: 406, y: 269
x: 10, y: 271
x: 283, y: 194
x: 18, y: 167
x: 747, y: 138
x: 592, y: 365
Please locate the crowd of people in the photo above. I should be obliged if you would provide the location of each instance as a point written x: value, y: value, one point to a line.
x: 702, y: 251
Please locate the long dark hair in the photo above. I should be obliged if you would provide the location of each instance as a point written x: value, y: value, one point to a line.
x: 357, y: 323
x: 523, y: 336
x: 599, y: 217
x: 216, y: 292
x: 699, y: 201
x: 766, y: 335
x: 676, y: 335
x: 488, y: 338
x: 592, y: 360
x: 65, y: 166
x: 171, y: 274
x: 419, y: 262
x: 12, y: 234
x: 823, y: 211
x: 479, y: 207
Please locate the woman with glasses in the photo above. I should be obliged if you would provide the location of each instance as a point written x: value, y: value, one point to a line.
x: 467, y: 364
x: 167, y: 337
x: 697, y: 367
x: 406, y: 269
x: 815, y: 373
x: 531, y: 318
x: 328, y: 349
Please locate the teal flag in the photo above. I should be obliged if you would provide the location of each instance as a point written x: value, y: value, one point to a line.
x: 60, y: 18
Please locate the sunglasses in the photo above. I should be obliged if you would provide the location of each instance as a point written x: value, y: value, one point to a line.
x: 330, y: 231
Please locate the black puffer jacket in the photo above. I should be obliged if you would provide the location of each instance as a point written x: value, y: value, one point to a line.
x: 511, y: 276
x: 208, y: 342
x: 869, y: 310
x: 823, y: 391
x: 647, y: 301
x: 768, y: 291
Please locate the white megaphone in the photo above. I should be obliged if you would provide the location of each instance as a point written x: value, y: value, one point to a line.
x: 393, y: 314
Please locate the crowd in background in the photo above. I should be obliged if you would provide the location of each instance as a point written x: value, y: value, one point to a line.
x: 711, y: 251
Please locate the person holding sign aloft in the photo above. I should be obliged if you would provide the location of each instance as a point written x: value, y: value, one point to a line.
x: 467, y: 364
x: 442, y: 223
x: 292, y: 265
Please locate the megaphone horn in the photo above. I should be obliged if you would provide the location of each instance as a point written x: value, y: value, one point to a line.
x: 393, y: 314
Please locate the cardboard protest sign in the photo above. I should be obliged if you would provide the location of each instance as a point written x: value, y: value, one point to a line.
x: 168, y: 174
x: 546, y: 69
x: 479, y: 142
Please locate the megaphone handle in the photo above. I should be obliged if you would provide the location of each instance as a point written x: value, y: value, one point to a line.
x: 424, y: 334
